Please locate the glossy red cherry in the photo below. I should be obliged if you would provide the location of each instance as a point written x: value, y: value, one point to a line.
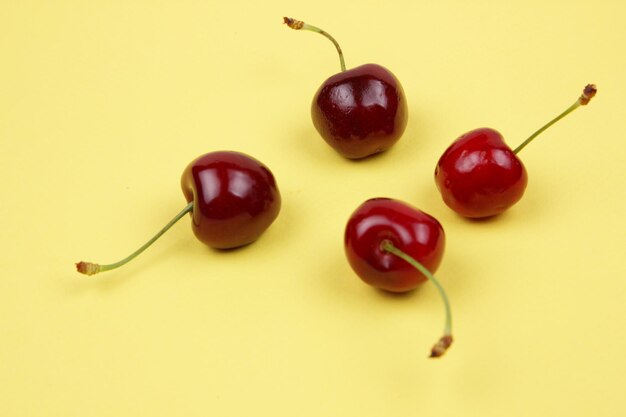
x: 396, y: 247
x: 480, y: 176
x: 232, y: 197
x: 235, y: 198
x: 361, y: 111
x: 409, y: 229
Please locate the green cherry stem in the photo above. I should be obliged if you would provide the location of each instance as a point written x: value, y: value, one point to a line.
x: 588, y: 93
x: 89, y: 268
x: 300, y: 25
x: 446, y: 340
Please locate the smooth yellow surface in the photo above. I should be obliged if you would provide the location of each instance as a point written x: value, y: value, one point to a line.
x: 102, y: 105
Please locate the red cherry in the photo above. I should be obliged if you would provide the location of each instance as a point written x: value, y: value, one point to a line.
x: 396, y: 247
x: 480, y: 176
x: 408, y: 228
x: 232, y: 197
x: 361, y: 111
x: 235, y: 198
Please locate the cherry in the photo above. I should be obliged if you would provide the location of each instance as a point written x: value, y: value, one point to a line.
x: 361, y: 111
x: 396, y: 247
x: 480, y: 176
x: 232, y: 198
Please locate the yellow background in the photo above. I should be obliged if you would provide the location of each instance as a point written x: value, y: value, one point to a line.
x: 103, y: 104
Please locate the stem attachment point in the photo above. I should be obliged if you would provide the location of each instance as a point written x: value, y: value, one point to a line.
x: 293, y: 23
x: 441, y: 346
x: 87, y: 268
x: 588, y: 93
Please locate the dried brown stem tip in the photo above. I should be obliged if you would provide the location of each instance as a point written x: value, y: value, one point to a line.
x: 293, y: 23
x: 441, y: 346
x: 588, y: 93
x: 87, y: 268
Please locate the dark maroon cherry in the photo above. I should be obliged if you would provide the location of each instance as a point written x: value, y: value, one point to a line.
x: 396, y: 247
x: 480, y: 176
x: 361, y: 111
x: 235, y: 198
x: 232, y: 198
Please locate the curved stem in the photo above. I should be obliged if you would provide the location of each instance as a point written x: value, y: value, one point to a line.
x: 588, y: 93
x: 89, y: 268
x: 446, y: 340
x: 300, y: 25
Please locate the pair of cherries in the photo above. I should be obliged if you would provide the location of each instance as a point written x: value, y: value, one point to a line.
x: 233, y: 198
x: 363, y: 111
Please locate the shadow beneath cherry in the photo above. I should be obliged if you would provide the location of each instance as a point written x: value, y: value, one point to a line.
x: 378, y: 156
x: 408, y: 295
x: 485, y: 220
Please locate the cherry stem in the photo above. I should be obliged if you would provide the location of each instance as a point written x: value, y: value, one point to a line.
x: 588, y: 93
x: 446, y: 340
x: 300, y: 25
x: 89, y: 268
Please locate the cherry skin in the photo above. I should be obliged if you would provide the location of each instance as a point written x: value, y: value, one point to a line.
x: 395, y: 247
x: 409, y: 229
x: 235, y: 198
x: 361, y: 111
x: 479, y: 175
x: 232, y: 197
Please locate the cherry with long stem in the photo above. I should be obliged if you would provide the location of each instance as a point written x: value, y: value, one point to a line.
x: 90, y: 268
x: 300, y: 25
x: 588, y: 93
x: 445, y: 341
x: 480, y: 176
x: 359, y: 111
